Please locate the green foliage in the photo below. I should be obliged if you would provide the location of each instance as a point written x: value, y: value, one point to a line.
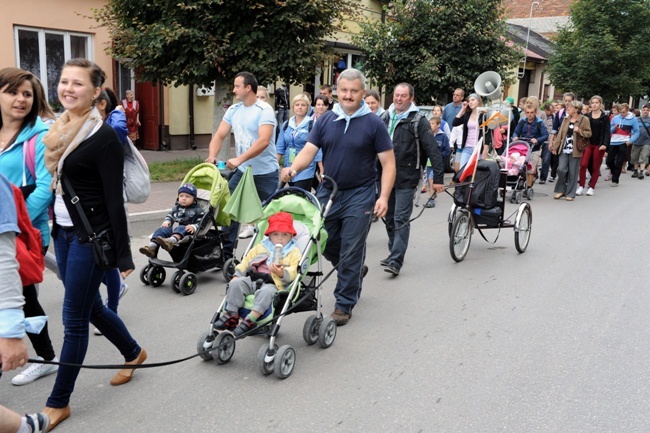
x: 604, y: 50
x: 185, y: 42
x: 437, y: 45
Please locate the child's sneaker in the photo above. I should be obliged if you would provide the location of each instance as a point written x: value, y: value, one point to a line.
x: 166, y: 243
x: 227, y: 321
x: 38, y: 422
x: 148, y: 251
x: 245, y: 326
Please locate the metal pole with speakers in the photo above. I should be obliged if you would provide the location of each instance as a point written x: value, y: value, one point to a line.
x: 488, y: 85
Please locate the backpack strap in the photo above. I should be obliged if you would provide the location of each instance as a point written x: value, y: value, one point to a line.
x: 29, y: 153
x: 414, y: 128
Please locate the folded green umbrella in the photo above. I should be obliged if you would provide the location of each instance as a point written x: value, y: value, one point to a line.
x: 244, y: 205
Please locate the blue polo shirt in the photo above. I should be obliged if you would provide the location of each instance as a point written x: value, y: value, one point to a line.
x: 349, y: 157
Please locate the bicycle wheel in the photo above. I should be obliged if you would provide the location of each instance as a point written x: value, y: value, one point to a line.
x: 461, y: 235
x: 523, y: 225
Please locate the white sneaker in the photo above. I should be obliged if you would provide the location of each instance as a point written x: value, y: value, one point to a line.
x: 580, y: 190
x: 248, y: 232
x: 97, y: 332
x: 123, y: 289
x: 35, y: 371
x: 590, y: 191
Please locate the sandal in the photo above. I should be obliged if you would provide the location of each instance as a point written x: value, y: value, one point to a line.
x: 227, y: 321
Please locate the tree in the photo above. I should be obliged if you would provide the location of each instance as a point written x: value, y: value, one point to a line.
x: 437, y: 45
x: 604, y: 49
x: 198, y: 42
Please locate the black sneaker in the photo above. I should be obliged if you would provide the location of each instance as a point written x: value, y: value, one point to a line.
x: 635, y: 174
x: 39, y: 422
x: 385, y: 262
x: 245, y: 326
x: 430, y: 203
x: 641, y: 176
x: 392, y: 270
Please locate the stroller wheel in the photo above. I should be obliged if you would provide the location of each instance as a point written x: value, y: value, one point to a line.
x: 176, y: 281
x: 326, y: 332
x: 223, y: 348
x: 187, y: 283
x: 530, y: 193
x: 143, y: 275
x: 266, y: 367
x: 156, y: 275
x: 518, y: 197
x: 204, y: 346
x: 229, y: 268
x: 284, y: 361
x: 310, y: 330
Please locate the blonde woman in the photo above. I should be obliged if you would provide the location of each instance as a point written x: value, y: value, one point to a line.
x: 293, y: 137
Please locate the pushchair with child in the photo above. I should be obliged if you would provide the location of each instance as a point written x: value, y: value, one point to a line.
x: 201, y: 251
x: 516, y: 162
x: 302, y: 294
x: 479, y: 204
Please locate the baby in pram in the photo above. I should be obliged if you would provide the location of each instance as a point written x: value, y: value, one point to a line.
x: 259, y: 274
x: 515, y: 163
x: 187, y: 213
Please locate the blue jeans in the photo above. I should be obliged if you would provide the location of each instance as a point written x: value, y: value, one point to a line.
x: 113, y: 282
x: 398, y: 227
x: 347, y: 222
x: 166, y: 232
x: 546, y: 161
x: 265, y: 184
x: 81, y: 305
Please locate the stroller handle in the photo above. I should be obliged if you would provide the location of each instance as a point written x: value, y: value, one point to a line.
x: 335, y: 186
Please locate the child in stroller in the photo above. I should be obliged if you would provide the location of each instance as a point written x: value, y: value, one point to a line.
x: 187, y: 213
x: 259, y: 274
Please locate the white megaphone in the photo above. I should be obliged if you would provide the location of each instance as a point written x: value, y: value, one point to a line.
x: 487, y: 84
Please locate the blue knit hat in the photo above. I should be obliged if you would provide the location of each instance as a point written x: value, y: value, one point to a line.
x: 188, y: 188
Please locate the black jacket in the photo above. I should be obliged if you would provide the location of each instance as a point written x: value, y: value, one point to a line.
x: 406, y: 153
x: 185, y: 215
x: 462, y: 120
x: 95, y: 170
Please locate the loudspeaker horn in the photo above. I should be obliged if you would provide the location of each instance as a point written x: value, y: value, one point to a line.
x: 487, y: 84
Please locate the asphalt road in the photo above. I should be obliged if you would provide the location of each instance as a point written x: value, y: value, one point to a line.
x: 552, y: 340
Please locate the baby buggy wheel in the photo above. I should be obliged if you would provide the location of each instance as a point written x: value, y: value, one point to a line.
x: 266, y: 367
x: 204, y: 346
x: 461, y: 235
x: 187, y: 283
x: 176, y: 281
x: 156, y: 275
x: 143, y: 275
x: 285, y: 360
x: 523, y: 225
x: 310, y: 330
x: 223, y: 348
x: 530, y: 193
x: 229, y: 268
x: 326, y: 332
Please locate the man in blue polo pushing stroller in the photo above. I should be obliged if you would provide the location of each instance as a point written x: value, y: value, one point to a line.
x: 269, y: 266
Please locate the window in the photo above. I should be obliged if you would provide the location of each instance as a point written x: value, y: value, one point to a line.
x: 43, y: 53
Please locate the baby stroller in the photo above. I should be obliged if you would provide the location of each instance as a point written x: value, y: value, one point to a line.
x: 301, y: 295
x: 201, y: 251
x: 516, y: 162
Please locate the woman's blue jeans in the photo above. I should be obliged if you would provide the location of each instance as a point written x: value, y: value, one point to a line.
x: 82, y: 304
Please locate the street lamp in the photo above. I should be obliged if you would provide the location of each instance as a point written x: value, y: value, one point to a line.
x: 533, y: 5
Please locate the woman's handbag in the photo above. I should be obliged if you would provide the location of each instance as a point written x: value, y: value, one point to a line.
x: 103, y: 242
x: 581, y: 142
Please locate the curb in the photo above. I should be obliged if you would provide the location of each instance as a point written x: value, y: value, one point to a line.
x: 148, y: 216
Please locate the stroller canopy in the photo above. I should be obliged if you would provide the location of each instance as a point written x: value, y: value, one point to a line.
x: 207, y: 177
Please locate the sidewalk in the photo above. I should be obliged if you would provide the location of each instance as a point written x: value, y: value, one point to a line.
x: 162, y: 194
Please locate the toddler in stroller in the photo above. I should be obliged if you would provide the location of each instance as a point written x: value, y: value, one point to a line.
x: 263, y: 274
x: 186, y: 213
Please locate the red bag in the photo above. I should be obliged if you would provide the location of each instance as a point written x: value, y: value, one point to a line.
x: 29, y: 246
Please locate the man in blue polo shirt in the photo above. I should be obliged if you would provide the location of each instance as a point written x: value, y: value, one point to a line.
x: 453, y: 108
x: 351, y: 138
x: 253, y: 123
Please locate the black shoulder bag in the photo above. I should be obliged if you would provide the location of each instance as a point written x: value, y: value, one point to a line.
x: 103, y: 242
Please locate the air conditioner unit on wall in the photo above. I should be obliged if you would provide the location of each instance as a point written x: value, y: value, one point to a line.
x: 205, y: 91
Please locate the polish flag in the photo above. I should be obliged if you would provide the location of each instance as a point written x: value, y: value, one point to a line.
x: 470, y: 167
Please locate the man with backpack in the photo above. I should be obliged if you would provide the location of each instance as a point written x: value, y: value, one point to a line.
x: 532, y: 130
x: 413, y: 143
